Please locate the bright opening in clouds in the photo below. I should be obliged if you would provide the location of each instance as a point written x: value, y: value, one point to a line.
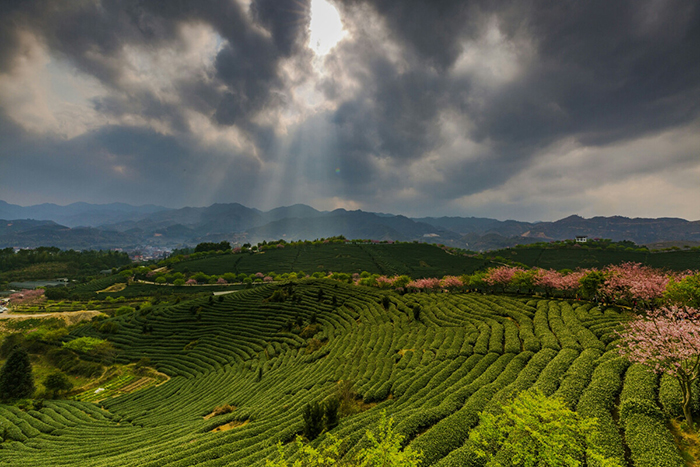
x: 326, y: 28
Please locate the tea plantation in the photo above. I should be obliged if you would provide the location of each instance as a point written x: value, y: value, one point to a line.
x: 414, y: 259
x: 269, y: 355
x: 573, y: 258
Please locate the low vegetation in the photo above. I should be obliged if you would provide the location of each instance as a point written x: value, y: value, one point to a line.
x: 344, y: 368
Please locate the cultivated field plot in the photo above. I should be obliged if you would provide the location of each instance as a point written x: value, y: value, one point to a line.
x: 415, y: 260
x: 467, y: 353
x: 573, y: 258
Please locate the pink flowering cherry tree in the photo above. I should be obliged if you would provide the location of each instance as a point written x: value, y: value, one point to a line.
x: 548, y: 279
x: 27, y: 297
x: 668, y: 341
x: 634, y: 282
x: 502, y: 276
x: 571, y: 282
x: 451, y: 282
x: 424, y: 285
x: 384, y: 282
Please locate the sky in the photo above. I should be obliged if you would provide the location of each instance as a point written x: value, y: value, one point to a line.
x: 528, y: 110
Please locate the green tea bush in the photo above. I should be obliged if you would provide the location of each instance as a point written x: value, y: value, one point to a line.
x: 646, y: 434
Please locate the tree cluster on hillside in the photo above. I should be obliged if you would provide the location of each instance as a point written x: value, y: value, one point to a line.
x: 210, y: 246
x: 90, y: 260
x: 591, y: 243
x: 50, y: 262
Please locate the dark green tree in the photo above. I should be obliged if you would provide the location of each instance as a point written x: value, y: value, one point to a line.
x: 313, y: 420
x: 57, y: 383
x: 16, y: 379
x: 330, y: 409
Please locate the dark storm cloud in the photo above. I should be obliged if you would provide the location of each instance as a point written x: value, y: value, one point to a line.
x: 594, y: 72
x: 135, y: 164
x: 287, y: 20
x: 431, y: 28
x: 606, y: 71
x: 92, y: 35
x: 601, y: 72
x: 248, y: 63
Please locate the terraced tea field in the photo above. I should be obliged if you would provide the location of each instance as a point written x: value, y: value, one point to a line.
x: 466, y: 354
x: 573, y: 258
x: 414, y: 259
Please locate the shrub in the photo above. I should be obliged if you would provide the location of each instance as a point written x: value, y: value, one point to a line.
x: 313, y: 345
x: 347, y: 396
x: 536, y: 430
x: 223, y: 409
x: 386, y: 302
x: 310, y: 331
x: 57, y: 383
x: 124, y: 310
x: 385, y: 448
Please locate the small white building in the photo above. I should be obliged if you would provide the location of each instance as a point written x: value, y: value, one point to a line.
x: 581, y: 238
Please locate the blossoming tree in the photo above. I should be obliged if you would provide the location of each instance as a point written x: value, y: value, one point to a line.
x: 634, y: 282
x: 501, y: 276
x: 548, y: 279
x: 668, y: 341
x: 451, y: 283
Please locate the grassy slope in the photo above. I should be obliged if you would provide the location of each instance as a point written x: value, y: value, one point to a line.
x: 433, y: 376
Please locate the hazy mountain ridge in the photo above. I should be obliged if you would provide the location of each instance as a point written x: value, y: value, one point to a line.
x: 78, y: 214
x: 132, y: 226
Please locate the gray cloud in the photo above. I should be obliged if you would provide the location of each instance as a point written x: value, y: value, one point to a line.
x: 437, y: 101
x: 601, y: 73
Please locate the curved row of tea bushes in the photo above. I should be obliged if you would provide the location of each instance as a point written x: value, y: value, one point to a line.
x: 649, y: 440
x: 464, y: 455
x: 577, y: 377
x: 598, y: 401
x: 542, y: 331
x: 671, y: 398
x: 452, y: 431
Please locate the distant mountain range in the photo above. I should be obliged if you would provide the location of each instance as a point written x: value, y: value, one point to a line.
x: 77, y: 214
x: 84, y: 225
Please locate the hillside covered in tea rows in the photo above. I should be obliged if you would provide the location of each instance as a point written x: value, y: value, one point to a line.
x: 248, y: 363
